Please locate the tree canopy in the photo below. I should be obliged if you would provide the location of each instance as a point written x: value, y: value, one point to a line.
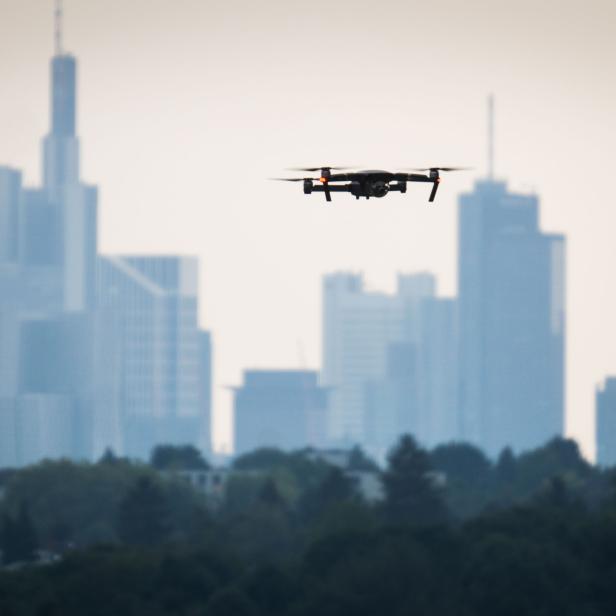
x: 533, y: 533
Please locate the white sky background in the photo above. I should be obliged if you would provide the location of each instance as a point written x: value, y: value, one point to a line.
x: 186, y: 106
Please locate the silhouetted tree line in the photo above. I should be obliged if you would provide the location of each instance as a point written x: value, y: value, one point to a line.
x: 529, y: 534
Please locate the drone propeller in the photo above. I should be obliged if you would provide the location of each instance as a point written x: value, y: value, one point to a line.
x: 441, y: 169
x: 289, y: 179
x: 312, y: 169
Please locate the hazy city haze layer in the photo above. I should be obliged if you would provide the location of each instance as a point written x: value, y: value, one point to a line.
x: 186, y: 107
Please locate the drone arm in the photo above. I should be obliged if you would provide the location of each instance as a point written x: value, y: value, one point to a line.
x: 339, y: 177
x: 416, y: 177
x: 331, y: 188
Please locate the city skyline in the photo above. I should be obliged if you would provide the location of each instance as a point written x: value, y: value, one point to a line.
x: 97, y: 353
x: 345, y: 234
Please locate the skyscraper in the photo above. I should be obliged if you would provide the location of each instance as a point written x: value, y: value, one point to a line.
x: 390, y: 361
x: 48, y: 239
x: 150, y: 308
x: 606, y: 423
x: 74, y: 202
x: 512, y: 320
x: 358, y: 326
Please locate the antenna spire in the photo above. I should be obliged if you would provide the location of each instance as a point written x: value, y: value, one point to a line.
x: 58, y: 14
x: 491, y: 137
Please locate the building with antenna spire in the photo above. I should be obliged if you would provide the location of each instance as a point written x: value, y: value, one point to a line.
x: 50, y: 332
x: 511, y: 285
x: 95, y: 352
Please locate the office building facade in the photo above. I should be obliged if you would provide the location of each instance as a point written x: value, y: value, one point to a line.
x: 285, y: 409
x: 150, y: 305
x: 390, y: 362
x: 511, y: 321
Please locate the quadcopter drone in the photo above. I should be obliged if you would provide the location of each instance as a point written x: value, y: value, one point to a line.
x: 367, y: 183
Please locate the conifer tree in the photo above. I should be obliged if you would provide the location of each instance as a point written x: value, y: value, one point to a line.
x: 410, y: 494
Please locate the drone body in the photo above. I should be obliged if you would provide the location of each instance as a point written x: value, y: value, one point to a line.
x: 368, y: 183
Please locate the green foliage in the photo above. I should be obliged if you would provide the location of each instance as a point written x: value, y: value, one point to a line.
x: 263, y: 459
x: 263, y: 535
x: 474, y: 484
x: 76, y: 504
x: 177, y: 457
x: 143, y: 517
x: 242, y: 491
x: 287, y: 544
x: 469, y: 476
x: 343, y: 516
x: 303, y: 471
x: 272, y: 589
x: 229, y: 601
x: 559, y: 457
x: 359, y: 461
x: 335, y: 488
x: 71, y: 503
x: 18, y: 537
x: 119, y: 581
x: 109, y: 457
x: 506, y: 466
x: 382, y: 572
x: 269, y: 495
x: 461, y: 461
x: 410, y: 496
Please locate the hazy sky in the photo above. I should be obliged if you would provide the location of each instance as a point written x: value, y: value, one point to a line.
x: 186, y: 106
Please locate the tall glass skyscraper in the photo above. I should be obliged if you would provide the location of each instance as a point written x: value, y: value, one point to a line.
x: 75, y: 202
x: 150, y: 307
x: 47, y: 272
x: 61, y: 146
x: 512, y: 321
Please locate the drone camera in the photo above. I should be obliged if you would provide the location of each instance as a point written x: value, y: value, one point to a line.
x: 380, y: 189
x: 356, y: 188
x: 307, y: 187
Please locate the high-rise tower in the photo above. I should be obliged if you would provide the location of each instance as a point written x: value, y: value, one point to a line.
x: 390, y: 361
x: 61, y: 146
x: 52, y: 383
x: 512, y: 318
x: 69, y: 205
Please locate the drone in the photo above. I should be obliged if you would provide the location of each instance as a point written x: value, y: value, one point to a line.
x: 367, y: 183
